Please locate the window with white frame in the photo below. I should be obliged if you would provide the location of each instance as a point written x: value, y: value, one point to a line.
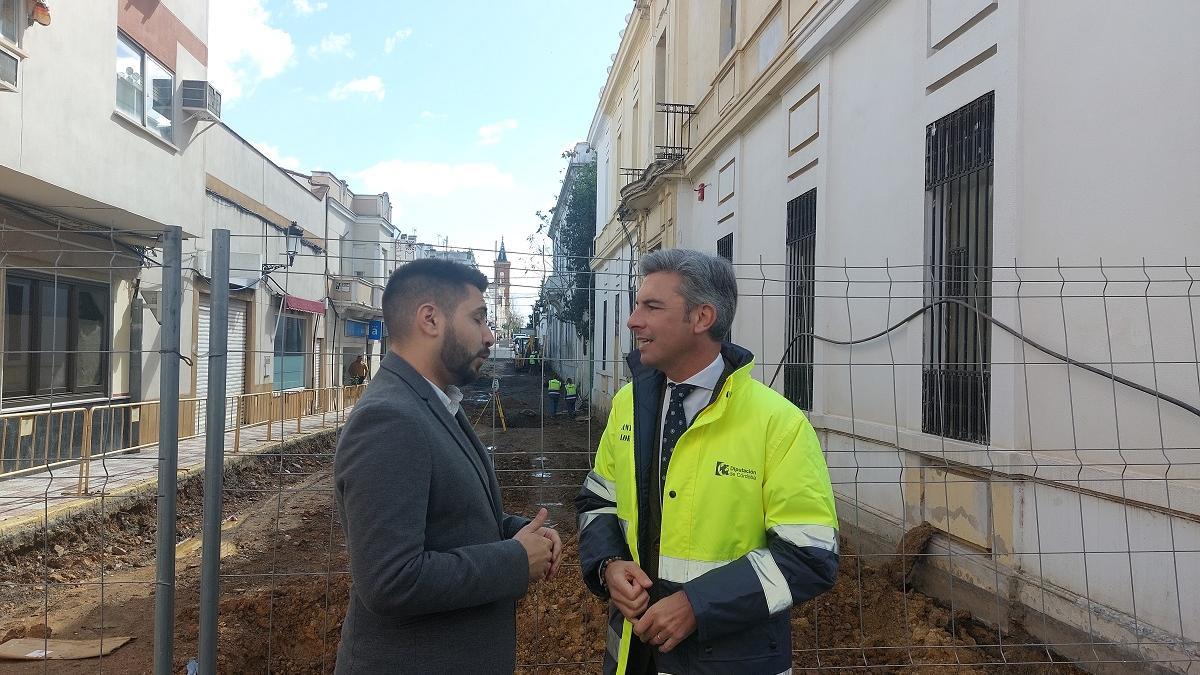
x: 10, y: 21
x: 10, y: 36
x: 145, y: 88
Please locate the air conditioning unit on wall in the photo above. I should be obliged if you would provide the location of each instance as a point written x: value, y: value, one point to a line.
x: 200, y: 98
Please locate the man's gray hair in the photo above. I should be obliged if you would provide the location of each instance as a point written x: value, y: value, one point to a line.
x: 706, y: 280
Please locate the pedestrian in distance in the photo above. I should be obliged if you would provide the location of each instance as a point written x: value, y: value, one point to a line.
x: 358, y: 370
x: 709, y: 511
x: 553, y: 392
x: 572, y: 396
x: 437, y: 565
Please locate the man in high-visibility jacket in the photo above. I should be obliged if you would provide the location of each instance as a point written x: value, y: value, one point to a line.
x: 554, y: 390
x: 709, y: 511
x: 572, y: 396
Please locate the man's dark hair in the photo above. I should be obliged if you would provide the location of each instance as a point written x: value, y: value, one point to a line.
x: 441, y: 282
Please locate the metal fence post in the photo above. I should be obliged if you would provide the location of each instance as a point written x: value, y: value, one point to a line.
x: 168, y: 450
x: 85, y: 458
x: 214, y: 453
x: 237, y: 424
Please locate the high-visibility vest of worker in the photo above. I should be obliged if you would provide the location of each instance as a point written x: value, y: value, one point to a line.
x: 705, y: 525
x: 572, y: 396
x: 554, y: 390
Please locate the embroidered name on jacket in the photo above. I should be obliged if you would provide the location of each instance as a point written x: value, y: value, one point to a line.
x: 724, y: 469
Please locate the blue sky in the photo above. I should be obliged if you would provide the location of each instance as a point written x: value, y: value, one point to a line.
x: 460, y: 110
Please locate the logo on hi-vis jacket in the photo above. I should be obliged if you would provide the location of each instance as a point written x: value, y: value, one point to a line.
x: 724, y: 469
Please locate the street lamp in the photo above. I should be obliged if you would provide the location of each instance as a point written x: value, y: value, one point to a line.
x: 292, y: 236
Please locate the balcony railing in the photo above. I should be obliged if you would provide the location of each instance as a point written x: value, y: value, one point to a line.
x: 630, y: 175
x: 353, y: 290
x: 673, y: 137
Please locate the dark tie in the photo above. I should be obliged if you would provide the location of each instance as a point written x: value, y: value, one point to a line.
x: 675, y: 424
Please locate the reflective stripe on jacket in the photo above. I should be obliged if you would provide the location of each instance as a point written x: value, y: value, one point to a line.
x: 748, y: 520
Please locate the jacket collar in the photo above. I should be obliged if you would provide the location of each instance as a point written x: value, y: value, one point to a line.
x: 736, y: 357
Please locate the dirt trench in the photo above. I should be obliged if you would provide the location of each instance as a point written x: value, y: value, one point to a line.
x: 285, y: 585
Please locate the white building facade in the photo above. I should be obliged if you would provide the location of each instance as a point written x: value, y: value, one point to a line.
x: 96, y: 160
x: 1028, y: 162
x: 565, y: 350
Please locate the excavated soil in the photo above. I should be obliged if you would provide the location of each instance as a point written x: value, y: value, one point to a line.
x: 284, y: 584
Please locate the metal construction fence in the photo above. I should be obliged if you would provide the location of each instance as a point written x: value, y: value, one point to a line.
x: 1012, y: 450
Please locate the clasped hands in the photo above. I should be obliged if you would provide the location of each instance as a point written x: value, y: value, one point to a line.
x: 543, y: 547
x: 665, y: 624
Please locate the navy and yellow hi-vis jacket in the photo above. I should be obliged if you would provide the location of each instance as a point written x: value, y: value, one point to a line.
x: 748, y: 520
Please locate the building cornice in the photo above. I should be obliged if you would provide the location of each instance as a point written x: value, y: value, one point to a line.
x: 631, y: 41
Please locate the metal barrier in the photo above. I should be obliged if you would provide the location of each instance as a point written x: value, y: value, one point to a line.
x: 29, y: 440
x: 47, y: 439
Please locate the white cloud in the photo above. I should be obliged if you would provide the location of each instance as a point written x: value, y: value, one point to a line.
x: 396, y: 38
x: 400, y: 177
x: 368, y: 86
x: 272, y: 152
x: 307, y: 7
x: 491, y: 134
x: 332, y: 44
x: 244, y: 49
x: 430, y: 115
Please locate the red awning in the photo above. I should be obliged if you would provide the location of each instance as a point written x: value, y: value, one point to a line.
x: 302, y: 305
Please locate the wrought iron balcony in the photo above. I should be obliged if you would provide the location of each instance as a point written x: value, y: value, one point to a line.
x: 630, y: 175
x: 673, y: 137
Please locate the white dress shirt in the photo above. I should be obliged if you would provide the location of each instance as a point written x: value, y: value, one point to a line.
x: 452, y: 397
x: 705, y: 382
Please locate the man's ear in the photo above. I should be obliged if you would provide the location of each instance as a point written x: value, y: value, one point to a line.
x: 705, y: 317
x: 429, y: 320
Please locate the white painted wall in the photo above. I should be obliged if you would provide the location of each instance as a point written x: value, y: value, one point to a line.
x: 61, y: 127
x: 1095, y: 158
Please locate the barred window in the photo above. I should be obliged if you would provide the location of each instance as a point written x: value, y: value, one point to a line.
x: 801, y: 297
x: 955, y: 383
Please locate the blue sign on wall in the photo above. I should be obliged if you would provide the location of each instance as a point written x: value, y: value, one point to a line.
x: 376, y: 331
x: 356, y: 328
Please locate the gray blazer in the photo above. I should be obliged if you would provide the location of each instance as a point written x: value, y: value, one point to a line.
x: 436, y: 574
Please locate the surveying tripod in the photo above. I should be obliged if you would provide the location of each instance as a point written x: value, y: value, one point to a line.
x: 494, y: 399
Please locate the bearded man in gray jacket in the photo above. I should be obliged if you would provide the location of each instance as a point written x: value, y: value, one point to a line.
x: 437, y: 566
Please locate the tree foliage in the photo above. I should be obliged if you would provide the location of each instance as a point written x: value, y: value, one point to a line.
x: 576, y: 229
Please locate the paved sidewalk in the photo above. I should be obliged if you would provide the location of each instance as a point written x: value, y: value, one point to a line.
x: 49, y: 495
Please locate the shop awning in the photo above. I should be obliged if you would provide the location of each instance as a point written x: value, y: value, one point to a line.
x: 301, y: 305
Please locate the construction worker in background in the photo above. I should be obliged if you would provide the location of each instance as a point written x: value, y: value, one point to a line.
x: 709, y: 511
x: 572, y: 396
x: 554, y: 390
x: 358, y: 370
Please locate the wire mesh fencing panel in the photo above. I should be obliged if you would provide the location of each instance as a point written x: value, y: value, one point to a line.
x: 1011, y: 457
x: 79, y: 428
x: 1016, y: 492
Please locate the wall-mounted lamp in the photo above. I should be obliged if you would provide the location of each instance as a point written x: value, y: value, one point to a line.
x: 292, y: 236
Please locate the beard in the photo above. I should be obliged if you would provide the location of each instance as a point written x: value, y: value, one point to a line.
x: 458, y: 359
